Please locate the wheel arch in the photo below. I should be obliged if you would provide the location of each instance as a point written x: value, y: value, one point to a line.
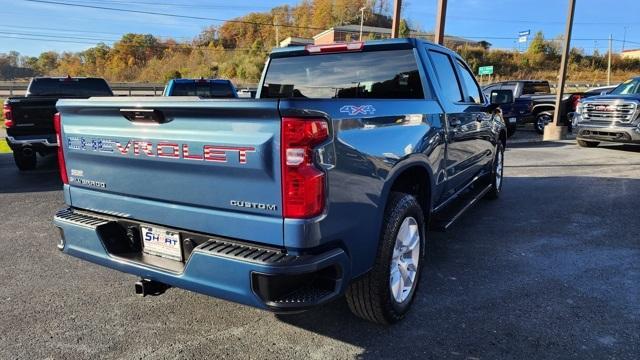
x: 413, y: 177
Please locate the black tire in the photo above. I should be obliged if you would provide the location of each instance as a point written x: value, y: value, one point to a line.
x: 25, y: 162
x: 589, y: 144
x: 542, y: 120
x: 370, y: 296
x: 496, y: 184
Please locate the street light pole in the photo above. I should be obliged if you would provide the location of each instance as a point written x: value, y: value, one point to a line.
x: 609, y: 63
x: 362, y: 9
x: 555, y: 131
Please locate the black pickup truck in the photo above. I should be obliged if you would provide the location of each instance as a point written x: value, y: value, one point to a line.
x: 29, y: 118
x: 536, y: 103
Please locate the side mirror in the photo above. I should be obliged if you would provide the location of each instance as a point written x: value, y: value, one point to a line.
x: 499, y: 97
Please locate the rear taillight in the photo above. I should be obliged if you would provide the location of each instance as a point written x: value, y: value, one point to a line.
x: 302, y: 182
x: 575, y: 101
x: 7, y: 114
x: 57, y: 125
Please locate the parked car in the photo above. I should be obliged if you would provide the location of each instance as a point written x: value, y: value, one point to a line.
x: 536, y: 96
x: 323, y: 185
x: 514, y: 111
x: 206, y: 88
x: 29, y: 118
x: 610, y: 118
x: 600, y: 90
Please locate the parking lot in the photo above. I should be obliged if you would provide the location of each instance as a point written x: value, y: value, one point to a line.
x: 552, y: 268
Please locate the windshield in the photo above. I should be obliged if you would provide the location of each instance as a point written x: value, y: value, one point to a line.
x: 391, y: 74
x: 205, y: 89
x: 629, y: 87
x: 69, y: 87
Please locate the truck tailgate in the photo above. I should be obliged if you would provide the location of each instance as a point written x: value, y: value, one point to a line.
x: 32, y: 116
x: 211, y: 166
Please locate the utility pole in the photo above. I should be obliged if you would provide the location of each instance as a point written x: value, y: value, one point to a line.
x: 395, y: 27
x: 362, y: 9
x: 609, y: 63
x: 441, y: 16
x: 624, y: 38
x: 555, y: 131
x: 275, y: 24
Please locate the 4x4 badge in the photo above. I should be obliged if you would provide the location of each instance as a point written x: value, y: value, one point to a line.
x: 357, y: 110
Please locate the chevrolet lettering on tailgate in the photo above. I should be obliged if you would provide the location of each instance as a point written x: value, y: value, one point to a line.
x: 163, y: 149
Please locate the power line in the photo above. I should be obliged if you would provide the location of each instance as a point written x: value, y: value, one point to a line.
x: 191, y: 6
x: 171, y: 15
x: 10, y: 26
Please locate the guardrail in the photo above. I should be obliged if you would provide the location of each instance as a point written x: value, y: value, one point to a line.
x: 17, y: 88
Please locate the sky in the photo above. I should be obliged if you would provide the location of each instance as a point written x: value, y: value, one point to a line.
x: 25, y: 23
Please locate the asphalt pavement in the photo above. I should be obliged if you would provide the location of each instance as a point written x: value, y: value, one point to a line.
x: 550, y: 270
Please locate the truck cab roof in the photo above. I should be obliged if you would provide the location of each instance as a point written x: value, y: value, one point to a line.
x: 370, y: 45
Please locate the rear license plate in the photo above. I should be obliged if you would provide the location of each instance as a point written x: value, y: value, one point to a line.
x: 161, y: 242
x: 513, y: 120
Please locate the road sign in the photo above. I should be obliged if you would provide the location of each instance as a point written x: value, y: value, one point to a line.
x: 524, y: 33
x: 485, y: 70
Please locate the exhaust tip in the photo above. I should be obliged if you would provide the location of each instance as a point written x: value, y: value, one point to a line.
x: 27, y: 151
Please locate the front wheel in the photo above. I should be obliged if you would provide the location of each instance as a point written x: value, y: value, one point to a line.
x: 590, y: 144
x: 384, y: 295
x: 541, y: 121
x: 497, y: 172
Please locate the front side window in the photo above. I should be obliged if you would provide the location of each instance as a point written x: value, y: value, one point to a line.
x: 474, y: 95
x: 390, y: 74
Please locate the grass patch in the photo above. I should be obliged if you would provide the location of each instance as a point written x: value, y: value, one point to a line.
x: 4, y: 148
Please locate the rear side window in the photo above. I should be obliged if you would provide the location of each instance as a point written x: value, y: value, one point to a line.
x: 69, y: 87
x: 204, y: 89
x: 447, y: 76
x: 391, y: 74
x: 536, y: 88
x: 470, y: 84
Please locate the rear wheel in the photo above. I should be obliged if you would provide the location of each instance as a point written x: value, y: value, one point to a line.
x: 384, y: 295
x: 590, y: 144
x: 25, y: 162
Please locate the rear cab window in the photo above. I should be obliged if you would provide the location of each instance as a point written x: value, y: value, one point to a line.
x: 383, y: 74
x: 205, y: 89
x: 80, y: 87
x: 531, y: 88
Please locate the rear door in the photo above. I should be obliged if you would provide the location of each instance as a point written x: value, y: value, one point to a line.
x: 210, y: 166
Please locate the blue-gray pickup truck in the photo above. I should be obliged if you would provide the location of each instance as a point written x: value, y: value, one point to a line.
x: 323, y: 185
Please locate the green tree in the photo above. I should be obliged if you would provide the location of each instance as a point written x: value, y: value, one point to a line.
x: 404, y: 30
